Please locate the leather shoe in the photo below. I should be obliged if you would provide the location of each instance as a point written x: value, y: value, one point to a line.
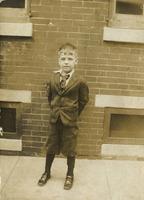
x: 44, y: 178
x: 68, y: 182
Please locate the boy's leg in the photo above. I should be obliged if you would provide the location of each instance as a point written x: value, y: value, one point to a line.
x: 52, y: 146
x: 49, y: 161
x: 70, y: 164
x: 46, y: 175
x: 70, y: 174
x: 69, y: 149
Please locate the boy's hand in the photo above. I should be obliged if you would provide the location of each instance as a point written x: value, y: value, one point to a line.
x: 46, y: 85
x: 1, y: 131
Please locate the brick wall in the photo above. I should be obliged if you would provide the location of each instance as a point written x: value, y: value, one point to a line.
x: 109, y: 68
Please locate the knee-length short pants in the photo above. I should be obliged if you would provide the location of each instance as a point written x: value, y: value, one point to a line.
x: 62, y: 139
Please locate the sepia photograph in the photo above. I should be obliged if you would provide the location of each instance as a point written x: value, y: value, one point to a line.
x: 71, y: 99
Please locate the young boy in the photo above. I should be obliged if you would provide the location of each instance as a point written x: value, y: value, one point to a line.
x: 67, y: 97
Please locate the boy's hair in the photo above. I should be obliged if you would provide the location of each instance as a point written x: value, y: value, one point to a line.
x: 69, y: 46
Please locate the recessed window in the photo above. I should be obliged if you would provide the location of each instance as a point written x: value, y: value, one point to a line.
x: 14, y: 10
x: 123, y: 125
x: 12, y: 3
x: 126, y: 126
x: 15, y: 18
x: 129, y: 8
x: 126, y: 14
x: 8, y: 119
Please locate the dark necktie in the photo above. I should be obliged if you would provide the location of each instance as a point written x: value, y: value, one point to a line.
x: 63, y: 80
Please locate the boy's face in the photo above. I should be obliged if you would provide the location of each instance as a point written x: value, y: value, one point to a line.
x: 67, y: 60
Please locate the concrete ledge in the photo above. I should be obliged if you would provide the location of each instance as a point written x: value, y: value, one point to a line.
x: 122, y: 150
x: 123, y: 35
x: 16, y: 29
x: 10, y: 144
x: 119, y: 101
x: 23, y: 96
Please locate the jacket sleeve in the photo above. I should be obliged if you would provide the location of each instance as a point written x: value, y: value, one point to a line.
x: 83, y: 95
x: 49, y: 92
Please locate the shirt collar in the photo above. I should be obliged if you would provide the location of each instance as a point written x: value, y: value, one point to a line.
x: 60, y: 71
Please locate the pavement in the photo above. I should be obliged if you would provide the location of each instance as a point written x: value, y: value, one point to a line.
x: 94, y: 179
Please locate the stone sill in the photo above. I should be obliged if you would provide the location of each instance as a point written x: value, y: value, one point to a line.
x: 11, y: 144
x: 119, y: 101
x: 123, y: 35
x: 119, y: 150
x: 16, y: 29
x: 22, y: 96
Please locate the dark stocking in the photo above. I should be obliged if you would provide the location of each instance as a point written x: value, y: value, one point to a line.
x: 70, y: 164
x: 49, y: 161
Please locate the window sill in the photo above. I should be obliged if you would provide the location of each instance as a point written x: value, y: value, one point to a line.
x: 23, y: 96
x: 16, y: 29
x: 11, y: 144
x: 123, y: 35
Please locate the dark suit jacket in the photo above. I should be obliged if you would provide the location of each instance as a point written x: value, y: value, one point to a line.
x: 68, y: 103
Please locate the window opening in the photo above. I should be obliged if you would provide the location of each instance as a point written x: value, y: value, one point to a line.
x: 12, y: 3
x: 8, y: 119
x: 129, y: 8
